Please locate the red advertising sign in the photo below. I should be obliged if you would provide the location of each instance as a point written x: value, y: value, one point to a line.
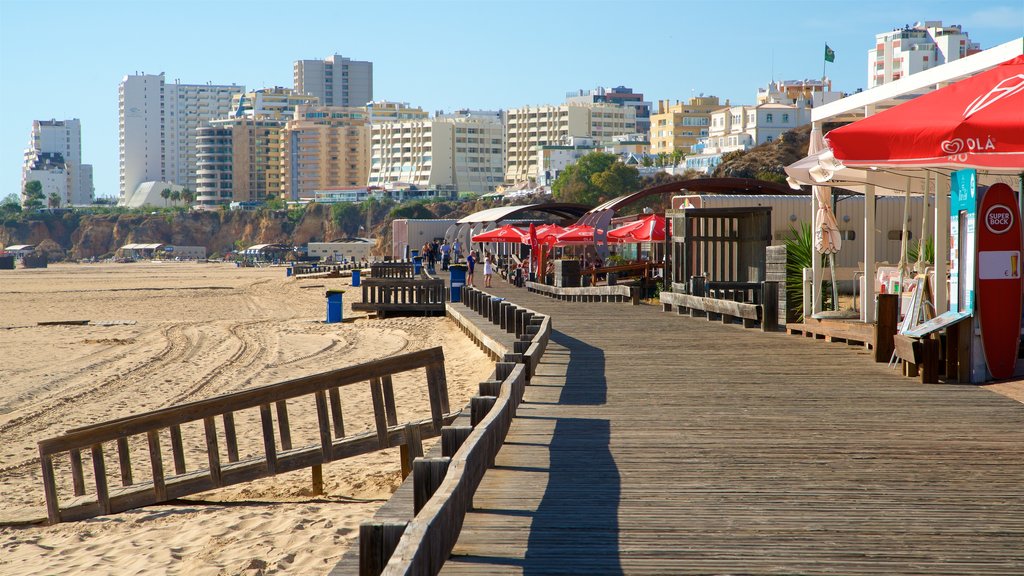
x: 999, y: 286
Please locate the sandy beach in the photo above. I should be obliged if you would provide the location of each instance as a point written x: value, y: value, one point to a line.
x: 165, y: 333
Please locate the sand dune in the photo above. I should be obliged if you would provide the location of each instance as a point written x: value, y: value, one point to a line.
x: 179, y: 332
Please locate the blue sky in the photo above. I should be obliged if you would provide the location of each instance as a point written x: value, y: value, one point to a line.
x: 65, y: 59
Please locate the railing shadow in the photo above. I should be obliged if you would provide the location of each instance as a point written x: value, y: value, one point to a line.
x: 585, y: 382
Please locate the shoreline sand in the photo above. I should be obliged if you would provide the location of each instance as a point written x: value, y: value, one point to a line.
x: 178, y: 332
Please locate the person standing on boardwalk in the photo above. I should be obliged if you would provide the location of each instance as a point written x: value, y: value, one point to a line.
x: 456, y: 251
x: 446, y: 255
x: 471, y: 264
x: 488, y: 269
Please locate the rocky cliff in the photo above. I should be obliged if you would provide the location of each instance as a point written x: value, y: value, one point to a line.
x: 86, y: 236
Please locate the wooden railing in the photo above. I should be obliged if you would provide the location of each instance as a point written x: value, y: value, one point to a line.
x: 444, y: 487
x: 617, y: 293
x: 752, y: 303
x: 304, y: 269
x: 392, y: 270
x: 384, y: 295
x: 642, y: 269
x: 278, y: 454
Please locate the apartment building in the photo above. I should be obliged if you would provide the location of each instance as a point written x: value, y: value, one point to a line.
x: 904, y: 51
x: 386, y: 111
x: 744, y: 127
x: 240, y: 160
x: 325, y: 147
x: 679, y: 126
x: 54, y: 158
x: 158, y: 124
x: 274, y: 103
x: 463, y: 152
x: 335, y: 81
x: 530, y: 128
x: 809, y: 93
x: 620, y: 95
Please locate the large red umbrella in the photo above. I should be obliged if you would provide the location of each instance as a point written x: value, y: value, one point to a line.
x: 648, y: 229
x: 506, y: 233
x: 547, y: 233
x: 977, y: 122
x: 577, y: 234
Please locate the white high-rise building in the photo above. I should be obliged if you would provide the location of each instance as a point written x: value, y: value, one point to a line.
x: 54, y: 158
x: 158, y: 122
x: 336, y: 81
x: 905, y: 51
x: 463, y: 152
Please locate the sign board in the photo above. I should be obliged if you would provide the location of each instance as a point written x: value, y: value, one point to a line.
x: 938, y: 323
x: 962, y: 239
x: 999, y: 279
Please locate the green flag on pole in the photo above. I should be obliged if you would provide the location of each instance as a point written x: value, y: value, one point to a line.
x: 830, y: 54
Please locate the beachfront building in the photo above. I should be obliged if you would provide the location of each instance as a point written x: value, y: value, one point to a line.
x: 240, y: 160
x: 465, y: 153
x: 555, y: 158
x: 351, y: 249
x: 54, y: 159
x: 386, y: 111
x: 620, y: 95
x: 808, y: 93
x: 273, y: 103
x: 324, y: 147
x: 335, y: 80
x: 532, y: 127
x: 911, y: 49
x: 738, y: 128
x: 158, y: 124
x: 679, y: 126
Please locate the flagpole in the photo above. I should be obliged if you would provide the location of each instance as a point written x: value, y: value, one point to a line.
x: 823, y: 62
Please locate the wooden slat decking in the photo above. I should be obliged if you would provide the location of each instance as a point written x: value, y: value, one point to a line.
x: 651, y: 443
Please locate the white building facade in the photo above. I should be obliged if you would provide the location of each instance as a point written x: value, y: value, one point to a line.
x: 158, y: 124
x: 464, y: 152
x: 335, y: 81
x: 905, y: 51
x: 54, y: 158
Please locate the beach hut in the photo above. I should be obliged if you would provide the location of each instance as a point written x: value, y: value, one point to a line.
x: 19, y: 251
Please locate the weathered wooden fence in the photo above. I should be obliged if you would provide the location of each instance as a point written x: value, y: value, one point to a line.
x: 383, y: 295
x: 279, y: 455
x: 444, y: 487
x: 392, y: 270
x: 589, y: 293
x: 751, y: 303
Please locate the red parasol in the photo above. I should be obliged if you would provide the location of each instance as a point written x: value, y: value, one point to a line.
x: 577, y: 234
x: 977, y: 122
x: 548, y: 233
x: 506, y: 233
x: 648, y: 229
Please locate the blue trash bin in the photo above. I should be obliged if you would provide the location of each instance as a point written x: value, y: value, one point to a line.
x: 417, y: 265
x: 456, y: 280
x: 334, y: 306
x: 288, y: 271
x: 355, y: 276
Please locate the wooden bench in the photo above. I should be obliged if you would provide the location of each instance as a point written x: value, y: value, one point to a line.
x: 920, y: 356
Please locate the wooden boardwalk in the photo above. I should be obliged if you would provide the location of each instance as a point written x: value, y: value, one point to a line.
x: 651, y: 443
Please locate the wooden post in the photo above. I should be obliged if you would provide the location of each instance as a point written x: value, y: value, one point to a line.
x: 885, y: 327
x: 427, y: 475
x: 769, y: 306
x: 230, y: 438
x: 269, y: 444
x: 212, y: 451
x: 282, y: 424
x: 479, y: 406
x: 379, y: 414
x: 318, y: 479
x: 125, y: 460
x: 77, y: 478
x: 929, y: 361
x: 489, y: 388
x: 389, y: 400
x: 99, y: 469
x: 452, y: 438
x: 50, y: 488
x: 502, y: 370
x: 157, y: 463
x: 336, y: 414
x: 177, y: 450
x: 411, y: 449
x: 377, y: 542
x: 324, y: 424
x: 963, y: 351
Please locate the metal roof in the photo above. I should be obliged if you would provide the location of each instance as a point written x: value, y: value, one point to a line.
x: 21, y: 247
x: 141, y: 246
x: 560, y: 209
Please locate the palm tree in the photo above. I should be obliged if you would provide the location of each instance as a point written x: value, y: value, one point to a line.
x: 53, y: 201
x: 175, y: 196
x: 677, y: 156
x: 188, y: 196
x: 165, y: 194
